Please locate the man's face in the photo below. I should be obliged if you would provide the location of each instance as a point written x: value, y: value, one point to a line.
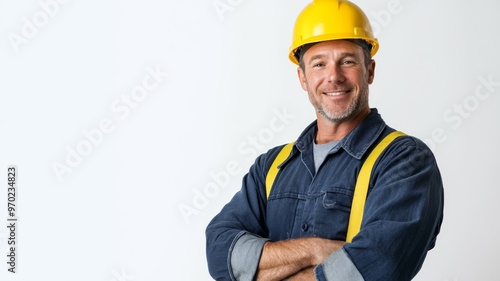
x: 336, y: 78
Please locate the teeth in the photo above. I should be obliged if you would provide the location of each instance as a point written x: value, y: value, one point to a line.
x: 335, y: 93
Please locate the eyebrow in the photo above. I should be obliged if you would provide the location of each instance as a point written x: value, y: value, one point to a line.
x: 315, y: 57
x: 322, y: 56
x: 345, y: 55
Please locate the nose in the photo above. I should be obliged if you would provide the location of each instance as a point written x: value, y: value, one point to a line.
x: 335, y: 74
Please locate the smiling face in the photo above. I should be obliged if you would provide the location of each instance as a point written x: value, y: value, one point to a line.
x: 336, y: 78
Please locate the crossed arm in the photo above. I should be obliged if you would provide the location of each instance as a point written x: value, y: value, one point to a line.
x: 294, y: 259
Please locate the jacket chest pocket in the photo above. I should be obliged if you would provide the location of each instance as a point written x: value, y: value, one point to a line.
x: 333, y: 208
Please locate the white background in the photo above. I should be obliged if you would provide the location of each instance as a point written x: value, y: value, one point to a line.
x: 134, y: 203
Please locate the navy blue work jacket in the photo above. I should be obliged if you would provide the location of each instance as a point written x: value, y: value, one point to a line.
x: 402, y: 216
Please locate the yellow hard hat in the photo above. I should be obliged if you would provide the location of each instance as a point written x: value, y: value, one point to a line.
x: 325, y: 20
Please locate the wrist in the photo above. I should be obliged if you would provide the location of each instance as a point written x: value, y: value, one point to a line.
x: 311, y: 249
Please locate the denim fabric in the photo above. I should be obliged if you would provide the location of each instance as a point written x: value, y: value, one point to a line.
x: 402, y: 215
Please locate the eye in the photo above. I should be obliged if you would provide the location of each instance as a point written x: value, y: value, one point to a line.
x: 318, y: 64
x: 348, y: 62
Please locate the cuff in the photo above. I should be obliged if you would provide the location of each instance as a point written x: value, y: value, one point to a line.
x: 338, y: 267
x: 245, y: 256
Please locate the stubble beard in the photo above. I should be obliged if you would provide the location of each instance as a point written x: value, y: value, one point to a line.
x: 358, y: 103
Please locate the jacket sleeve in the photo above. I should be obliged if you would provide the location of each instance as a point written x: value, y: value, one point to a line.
x: 243, y: 216
x: 337, y: 267
x: 402, y: 215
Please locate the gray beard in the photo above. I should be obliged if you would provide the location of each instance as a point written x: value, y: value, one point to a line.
x: 360, y: 102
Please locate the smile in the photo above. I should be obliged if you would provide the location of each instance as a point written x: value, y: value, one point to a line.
x: 337, y: 93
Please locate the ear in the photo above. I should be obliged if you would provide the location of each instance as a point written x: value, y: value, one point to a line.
x: 371, y: 71
x: 302, y: 78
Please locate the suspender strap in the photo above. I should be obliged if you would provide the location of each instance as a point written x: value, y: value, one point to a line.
x: 273, y: 170
x: 362, y: 183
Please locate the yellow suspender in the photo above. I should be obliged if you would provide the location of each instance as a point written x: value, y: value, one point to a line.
x: 361, y: 189
x: 273, y: 170
x: 362, y: 182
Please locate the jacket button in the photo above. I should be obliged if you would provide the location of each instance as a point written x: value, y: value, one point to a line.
x: 305, y: 227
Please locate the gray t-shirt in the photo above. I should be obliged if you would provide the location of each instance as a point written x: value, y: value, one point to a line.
x: 320, y: 152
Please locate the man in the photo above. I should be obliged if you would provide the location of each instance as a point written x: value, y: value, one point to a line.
x: 299, y: 231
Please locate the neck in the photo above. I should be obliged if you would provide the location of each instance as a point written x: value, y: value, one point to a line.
x: 329, y: 131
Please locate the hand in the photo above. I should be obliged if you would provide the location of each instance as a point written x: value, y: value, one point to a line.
x: 324, y: 248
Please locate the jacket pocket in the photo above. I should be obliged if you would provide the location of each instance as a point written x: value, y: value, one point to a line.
x: 333, y: 208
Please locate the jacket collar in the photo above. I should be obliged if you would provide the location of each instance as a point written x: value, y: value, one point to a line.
x: 357, y: 142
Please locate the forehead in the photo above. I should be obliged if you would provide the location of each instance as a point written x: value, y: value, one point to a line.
x: 335, y: 47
